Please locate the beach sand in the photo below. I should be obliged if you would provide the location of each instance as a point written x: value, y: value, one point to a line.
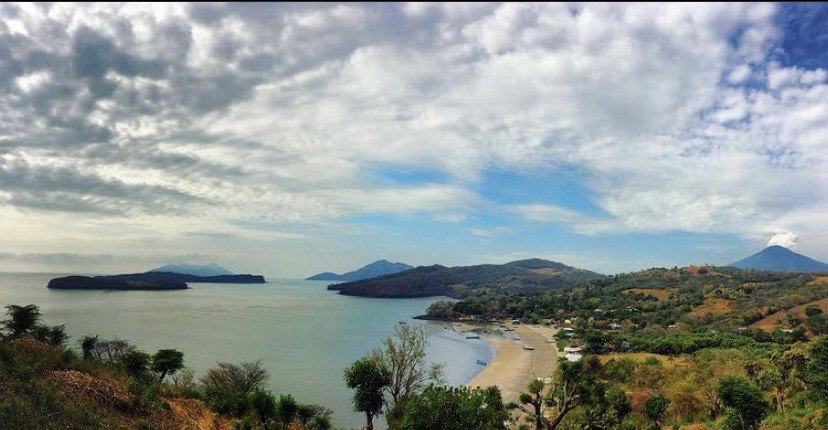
x: 514, y: 367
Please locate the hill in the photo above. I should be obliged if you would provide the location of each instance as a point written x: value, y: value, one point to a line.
x: 521, y: 276
x: 777, y: 258
x: 373, y: 270
x: 211, y: 269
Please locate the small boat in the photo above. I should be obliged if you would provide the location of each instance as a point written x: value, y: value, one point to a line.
x: 472, y: 336
x: 528, y: 348
x: 481, y: 362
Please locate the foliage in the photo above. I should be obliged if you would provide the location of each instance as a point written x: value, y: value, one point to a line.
x: 745, y: 403
x: 454, y: 408
x: 227, y: 386
x: 369, y: 379
x: 404, y: 356
x: 655, y: 407
x: 167, y: 362
x: 22, y: 319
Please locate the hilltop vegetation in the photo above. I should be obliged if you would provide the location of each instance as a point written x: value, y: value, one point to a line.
x: 516, y: 277
x: 696, y: 347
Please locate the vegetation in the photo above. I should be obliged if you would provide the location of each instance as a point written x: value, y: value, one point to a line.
x: 113, y: 384
x: 369, y: 379
x: 469, y: 281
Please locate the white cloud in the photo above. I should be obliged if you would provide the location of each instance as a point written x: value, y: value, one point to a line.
x: 283, y: 113
x: 786, y: 239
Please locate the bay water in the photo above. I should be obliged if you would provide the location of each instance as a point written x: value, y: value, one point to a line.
x: 304, y: 334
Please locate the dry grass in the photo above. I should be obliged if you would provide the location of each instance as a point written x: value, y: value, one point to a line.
x: 713, y: 306
x: 548, y: 271
x: 104, y: 390
x: 668, y: 361
x: 658, y: 294
x: 192, y: 414
x: 819, y: 280
x: 777, y: 319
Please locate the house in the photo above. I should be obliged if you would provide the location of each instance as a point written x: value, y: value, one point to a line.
x: 614, y: 326
x: 568, y: 332
x: 573, y: 353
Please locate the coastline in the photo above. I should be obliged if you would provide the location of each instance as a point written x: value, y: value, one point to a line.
x: 513, y: 367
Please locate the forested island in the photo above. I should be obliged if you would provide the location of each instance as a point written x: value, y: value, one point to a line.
x: 149, y: 281
x: 515, y: 277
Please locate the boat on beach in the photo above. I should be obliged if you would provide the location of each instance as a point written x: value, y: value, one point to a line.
x: 481, y: 362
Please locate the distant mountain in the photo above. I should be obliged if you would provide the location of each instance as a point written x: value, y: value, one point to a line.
x: 521, y: 276
x: 211, y: 269
x: 373, y: 270
x: 147, y: 281
x: 777, y: 258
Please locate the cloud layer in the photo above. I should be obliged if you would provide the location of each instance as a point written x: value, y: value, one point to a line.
x: 192, y: 118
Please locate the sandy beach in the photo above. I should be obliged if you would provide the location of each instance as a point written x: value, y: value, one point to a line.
x: 513, y: 367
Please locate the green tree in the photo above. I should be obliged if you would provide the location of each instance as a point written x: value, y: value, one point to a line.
x: 263, y: 403
x: 369, y: 379
x: 22, y: 319
x: 135, y: 362
x: 816, y: 368
x: 655, y: 407
x: 87, y: 344
x: 286, y: 410
x: 455, y: 408
x: 571, y: 387
x: 167, y: 362
x: 745, y: 402
x: 533, y: 398
x: 227, y: 386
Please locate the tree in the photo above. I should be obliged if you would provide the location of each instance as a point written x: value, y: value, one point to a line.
x: 571, y: 386
x: 368, y: 378
x: 55, y: 335
x: 404, y: 356
x: 286, y: 410
x: 263, y: 403
x: 655, y: 407
x: 167, y: 361
x: 87, y: 344
x: 816, y: 368
x: 455, y: 408
x: 227, y: 386
x: 22, y: 319
x: 534, y: 399
x: 135, y: 362
x: 745, y: 402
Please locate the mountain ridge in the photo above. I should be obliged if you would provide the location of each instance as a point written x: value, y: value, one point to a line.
x: 372, y: 270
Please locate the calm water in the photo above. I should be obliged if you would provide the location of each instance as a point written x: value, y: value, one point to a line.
x: 304, y: 334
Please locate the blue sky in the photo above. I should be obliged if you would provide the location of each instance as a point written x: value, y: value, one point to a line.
x: 288, y: 139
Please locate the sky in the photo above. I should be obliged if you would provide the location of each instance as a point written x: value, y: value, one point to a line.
x: 288, y: 139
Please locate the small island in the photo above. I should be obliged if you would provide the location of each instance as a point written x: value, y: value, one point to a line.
x: 149, y: 281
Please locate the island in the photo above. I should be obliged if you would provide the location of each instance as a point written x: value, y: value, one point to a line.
x: 149, y: 281
x: 516, y: 277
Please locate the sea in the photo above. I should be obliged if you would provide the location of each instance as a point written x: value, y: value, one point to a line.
x: 304, y: 334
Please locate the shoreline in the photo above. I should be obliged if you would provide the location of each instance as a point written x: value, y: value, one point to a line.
x: 513, y: 367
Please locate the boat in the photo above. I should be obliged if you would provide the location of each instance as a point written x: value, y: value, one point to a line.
x: 528, y: 348
x: 472, y: 336
x: 481, y: 362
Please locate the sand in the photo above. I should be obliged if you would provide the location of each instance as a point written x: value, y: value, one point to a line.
x: 514, y: 367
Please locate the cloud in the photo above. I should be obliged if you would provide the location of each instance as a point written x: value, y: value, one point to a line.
x: 786, y: 239
x: 680, y: 117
